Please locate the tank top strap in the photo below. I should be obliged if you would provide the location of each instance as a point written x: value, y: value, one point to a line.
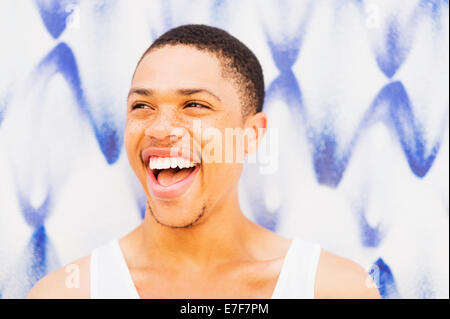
x: 298, y: 273
x: 109, y: 274
x: 110, y: 277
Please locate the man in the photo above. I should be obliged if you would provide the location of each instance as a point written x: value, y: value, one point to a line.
x: 194, y: 241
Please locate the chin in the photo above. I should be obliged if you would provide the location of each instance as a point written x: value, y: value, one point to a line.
x: 181, y: 215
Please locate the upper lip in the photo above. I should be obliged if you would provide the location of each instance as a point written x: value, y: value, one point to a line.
x: 166, y: 152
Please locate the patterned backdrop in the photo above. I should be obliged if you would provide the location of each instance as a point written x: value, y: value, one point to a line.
x: 358, y: 91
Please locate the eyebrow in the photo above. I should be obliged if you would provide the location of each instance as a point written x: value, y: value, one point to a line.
x: 187, y: 92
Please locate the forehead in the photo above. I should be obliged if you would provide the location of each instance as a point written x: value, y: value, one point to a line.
x: 173, y: 67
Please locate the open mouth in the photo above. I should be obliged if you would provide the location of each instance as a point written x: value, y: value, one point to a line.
x: 170, y: 170
x: 170, y: 177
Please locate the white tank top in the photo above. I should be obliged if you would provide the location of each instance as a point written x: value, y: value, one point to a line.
x: 111, y: 279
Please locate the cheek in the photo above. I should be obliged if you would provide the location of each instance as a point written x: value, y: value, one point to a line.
x: 219, y: 178
x: 225, y: 136
x: 132, y: 134
x: 128, y: 138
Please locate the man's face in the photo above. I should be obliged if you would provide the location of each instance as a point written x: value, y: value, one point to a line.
x: 175, y: 90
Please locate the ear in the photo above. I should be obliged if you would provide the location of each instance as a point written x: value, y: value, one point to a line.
x: 255, y: 128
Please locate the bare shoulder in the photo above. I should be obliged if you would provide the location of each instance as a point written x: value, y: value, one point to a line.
x: 338, y: 277
x: 71, y: 282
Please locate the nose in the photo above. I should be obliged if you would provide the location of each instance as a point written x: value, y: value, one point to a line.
x: 164, y: 124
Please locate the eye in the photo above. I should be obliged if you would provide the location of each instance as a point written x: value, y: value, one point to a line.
x: 196, y: 105
x: 140, y: 106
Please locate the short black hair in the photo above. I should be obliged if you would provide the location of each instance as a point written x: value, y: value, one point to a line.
x: 236, y: 59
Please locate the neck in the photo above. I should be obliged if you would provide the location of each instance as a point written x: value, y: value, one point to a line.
x: 222, y: 236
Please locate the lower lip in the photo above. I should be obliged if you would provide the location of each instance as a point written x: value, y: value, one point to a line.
x: 170, y: 191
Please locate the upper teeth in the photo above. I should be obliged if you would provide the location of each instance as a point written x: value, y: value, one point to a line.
x: 169, y: 162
